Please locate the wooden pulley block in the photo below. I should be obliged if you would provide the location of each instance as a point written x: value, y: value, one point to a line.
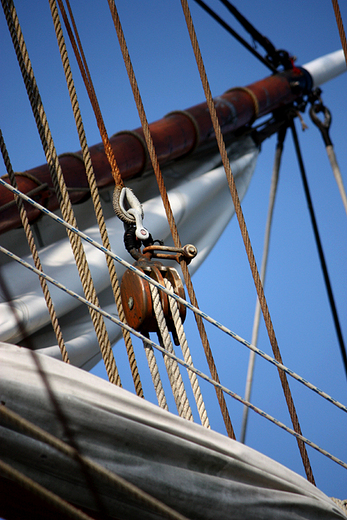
x: 137, y: 299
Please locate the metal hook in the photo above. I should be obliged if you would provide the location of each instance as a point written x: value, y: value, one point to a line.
x: 128, y: 208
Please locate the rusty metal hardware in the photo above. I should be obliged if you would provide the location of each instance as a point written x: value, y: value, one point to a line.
x: 188, y: 252
x: 137, y: 299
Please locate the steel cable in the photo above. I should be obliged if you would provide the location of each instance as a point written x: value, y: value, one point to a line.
x: 246, y: 238
x: 59, y: 183
x: 178, y: 360
x: 180, y: 300
x: 169, y: 213
x: 94, y: 193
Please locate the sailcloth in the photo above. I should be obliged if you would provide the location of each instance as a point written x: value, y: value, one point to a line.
x: 202, y: 207
x: 196, y: 471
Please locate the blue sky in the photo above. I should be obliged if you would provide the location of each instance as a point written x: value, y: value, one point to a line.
x: 168, y: 79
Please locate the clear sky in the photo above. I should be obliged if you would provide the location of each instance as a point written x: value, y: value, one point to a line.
x: 168, y: 79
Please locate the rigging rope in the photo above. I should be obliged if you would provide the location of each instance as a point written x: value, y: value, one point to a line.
x: 53, y: 500
x: 324, y: 127
x: 245, y: 236
x: 320, y: 248
x: 254, y: 340
x: 180, y: 300
x: 119, y: 483
x: 59, y: 184
x: 94, y: 193
x: 340, y: 27
x: 173, y: 371
x: 82, y: 63
x: 187, y: 357
x: 154, y: 370
x: 34, y: 252
x: 169, y: 214
x: 180, y: 361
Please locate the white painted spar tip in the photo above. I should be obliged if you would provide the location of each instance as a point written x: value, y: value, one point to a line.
x: 326, y: 68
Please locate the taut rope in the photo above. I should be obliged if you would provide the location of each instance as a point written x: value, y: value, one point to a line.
x: 169, y: 213
x: 245, y: 236
x: 94, y: 193
x: 59, y: 185
x: 34, y: 252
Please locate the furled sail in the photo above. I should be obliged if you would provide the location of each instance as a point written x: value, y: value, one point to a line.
x: 202, y: 208
x: 198, y: 472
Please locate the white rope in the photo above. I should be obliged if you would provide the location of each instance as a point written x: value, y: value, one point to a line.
x: 337, y: 174
x: 180, y: 361
x: 154, y: 370
x: 187, y: 357
x: 171, y: 365
x: 273, y: 190
x: 211, y: 320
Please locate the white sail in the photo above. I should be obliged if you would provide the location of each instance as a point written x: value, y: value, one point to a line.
x: 196, y: 471
x: 202, y: 207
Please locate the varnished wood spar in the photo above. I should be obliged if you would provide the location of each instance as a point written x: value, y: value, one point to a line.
x: 174, y: 136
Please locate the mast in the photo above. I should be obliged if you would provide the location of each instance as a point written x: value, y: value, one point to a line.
x: 176, y: 135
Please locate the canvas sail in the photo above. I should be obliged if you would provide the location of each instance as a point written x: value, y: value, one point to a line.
x: 196, y: 471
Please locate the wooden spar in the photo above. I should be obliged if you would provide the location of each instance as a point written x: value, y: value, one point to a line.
x: 176, y: 135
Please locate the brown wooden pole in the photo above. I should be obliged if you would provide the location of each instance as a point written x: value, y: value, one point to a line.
x: 174, y: 136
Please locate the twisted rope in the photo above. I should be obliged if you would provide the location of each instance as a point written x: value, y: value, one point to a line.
x: 117, y: 482
x: 169, y: 214
x: 154, y: 370
x: 254, y: 340
x: 245, y: 236
x: 340, y: 27
x: 187, y: 357
x: 95, y: 193
x: 83, y: 66
x: 66, y: 509
x: 180, y: 361
x: 171, y: 365
x: 337, y: 174
x: 59, y: 185
x: 180, y: 300
x: 34, y: 252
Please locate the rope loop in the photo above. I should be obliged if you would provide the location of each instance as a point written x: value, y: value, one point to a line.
x: 192, y: 119
x: 322, y: 125
x: 254, y: 100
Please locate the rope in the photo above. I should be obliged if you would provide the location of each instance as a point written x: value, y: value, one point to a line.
x: 340, y: 27
x: 172, y: 368
x: 187, y: 357
x: 324, y: 127
x: 169, y: 214
x: 94, y: 193
x: 82, y: 63
x: 245, y: 236
x: 320, y: 249
x: 48, y: 497
x: 191, y: 307
x: 154, y: 370
x: 194, y: 122
x: 181, y: 362
x: 254, y: 100
x: 119, y: 483
x: 337, y: 174
x: 34, y: 252
x: 59, y: 184
x: 273, y: 190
